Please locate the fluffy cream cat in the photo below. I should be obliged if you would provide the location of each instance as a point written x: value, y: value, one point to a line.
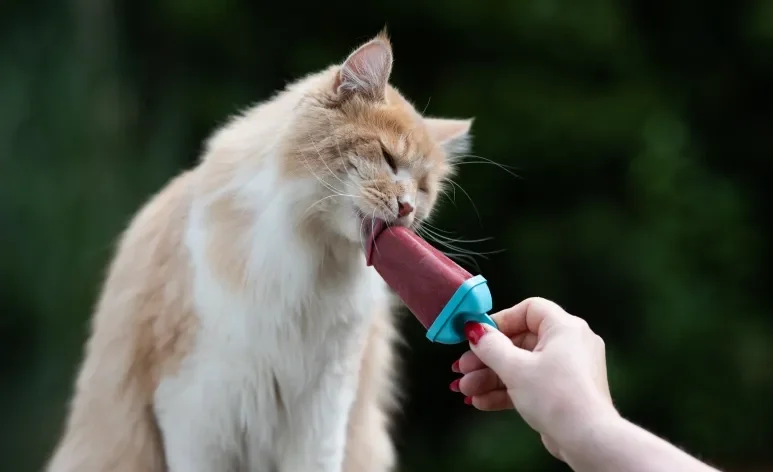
x: 239, y: 328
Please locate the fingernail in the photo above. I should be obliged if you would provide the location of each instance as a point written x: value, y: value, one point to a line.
x: 474, y: 331
x: 455, y: 367
x: 454, y: 386
x: 468, y: 400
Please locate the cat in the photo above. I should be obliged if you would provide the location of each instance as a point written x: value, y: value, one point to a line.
x: 239, y: 327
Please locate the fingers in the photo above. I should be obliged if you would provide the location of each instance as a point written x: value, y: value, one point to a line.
x: 499, y: 357
x: 494, y: 348
x: 533, y: 315
x: 492, y: 401
x: 480, y: 382
x: 469, y: 362
x: 484, y: 390
x: 527, y: 341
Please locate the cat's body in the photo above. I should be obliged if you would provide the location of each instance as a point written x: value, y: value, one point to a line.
x: 239, y: 328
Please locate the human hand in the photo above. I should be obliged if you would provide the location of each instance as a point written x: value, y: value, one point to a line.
x: 542, y: 361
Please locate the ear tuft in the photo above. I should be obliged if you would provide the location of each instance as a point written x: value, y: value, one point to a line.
x: 366, y: 71
x: 453, y: 135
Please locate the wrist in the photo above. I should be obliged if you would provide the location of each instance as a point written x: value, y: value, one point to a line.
x: 587, y: 433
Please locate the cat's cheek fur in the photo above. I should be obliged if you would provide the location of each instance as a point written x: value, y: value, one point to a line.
x: 345, y: 221
x: 423, y: 203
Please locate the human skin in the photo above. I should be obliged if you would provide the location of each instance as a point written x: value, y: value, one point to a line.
x: 550, y: 367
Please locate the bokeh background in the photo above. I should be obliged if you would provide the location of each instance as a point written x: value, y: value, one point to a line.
x: 638, y: 130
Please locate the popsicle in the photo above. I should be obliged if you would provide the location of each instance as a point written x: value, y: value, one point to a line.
x: 440, y: 294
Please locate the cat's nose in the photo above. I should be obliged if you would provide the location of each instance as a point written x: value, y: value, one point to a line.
x: 404, y: 208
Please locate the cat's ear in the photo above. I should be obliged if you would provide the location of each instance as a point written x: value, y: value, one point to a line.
x: 366, y: 71
x: 453, y: 135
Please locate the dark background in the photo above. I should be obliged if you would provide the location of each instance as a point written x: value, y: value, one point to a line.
x: 639, y: 132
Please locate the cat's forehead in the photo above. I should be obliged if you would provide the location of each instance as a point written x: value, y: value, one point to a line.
x: 397, y: 125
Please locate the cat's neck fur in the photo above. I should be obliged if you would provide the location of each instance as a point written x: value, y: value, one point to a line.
x: 246, y: 207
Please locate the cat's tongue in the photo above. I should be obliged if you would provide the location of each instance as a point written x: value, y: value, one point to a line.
x: 440, y: 294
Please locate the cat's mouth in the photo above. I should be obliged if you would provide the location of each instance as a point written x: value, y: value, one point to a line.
x: 377, y: 226
x: 370, y: 227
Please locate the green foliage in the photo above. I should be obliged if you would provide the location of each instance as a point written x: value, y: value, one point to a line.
x: 642, y: 202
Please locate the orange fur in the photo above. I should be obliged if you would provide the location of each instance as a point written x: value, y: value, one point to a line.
x: 146, y: 326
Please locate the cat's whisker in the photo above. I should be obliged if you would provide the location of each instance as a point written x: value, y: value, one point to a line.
x: 324, y: 184
x: 455, y: 184
x: 327, y: 185
x: 430, y: 229
x: 460, y: 257
x: 426, y: 106
x: 410, y: 132
x: 373, y: 228
x: 321, y: 158
x: 484, y: 160
x: 451, y: 246
x: 447, y: 234
x: 334, y: 174
x: 322, y: 200
x: 465, y: 256
x: 362, y: 241
x: 488, y: 163
x: 451, y: 198
x: 344, y: 163
x: 340, y: 153
x: 426, y: 222
x: 470, y: 253
x: 432, y: 233
x: 443, y: 189
x: 464, y: 156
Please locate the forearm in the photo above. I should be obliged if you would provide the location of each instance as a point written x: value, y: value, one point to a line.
x: 617, y: 445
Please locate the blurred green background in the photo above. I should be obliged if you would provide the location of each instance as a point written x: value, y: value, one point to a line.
x: 638, y: 129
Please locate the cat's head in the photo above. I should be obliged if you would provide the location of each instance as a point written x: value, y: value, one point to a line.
x: 371, y: 152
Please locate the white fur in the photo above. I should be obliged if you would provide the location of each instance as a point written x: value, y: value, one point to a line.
x: 221, y: 411
x: 405, y: 179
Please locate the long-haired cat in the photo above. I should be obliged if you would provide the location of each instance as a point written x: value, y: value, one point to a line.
x: 239, y: 328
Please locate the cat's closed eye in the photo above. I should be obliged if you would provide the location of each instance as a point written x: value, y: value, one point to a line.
x: 389, y: 158
x: 423, y: 185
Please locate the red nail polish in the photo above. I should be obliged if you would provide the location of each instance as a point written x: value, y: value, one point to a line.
x: 468, y: 400
x: 474, y: 331
x: 455, y: 367
x: 454, y: 386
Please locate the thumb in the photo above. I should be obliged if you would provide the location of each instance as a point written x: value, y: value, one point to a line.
x: 494, y: 349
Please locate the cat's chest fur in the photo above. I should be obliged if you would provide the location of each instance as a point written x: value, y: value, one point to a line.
x: 264, y: 356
